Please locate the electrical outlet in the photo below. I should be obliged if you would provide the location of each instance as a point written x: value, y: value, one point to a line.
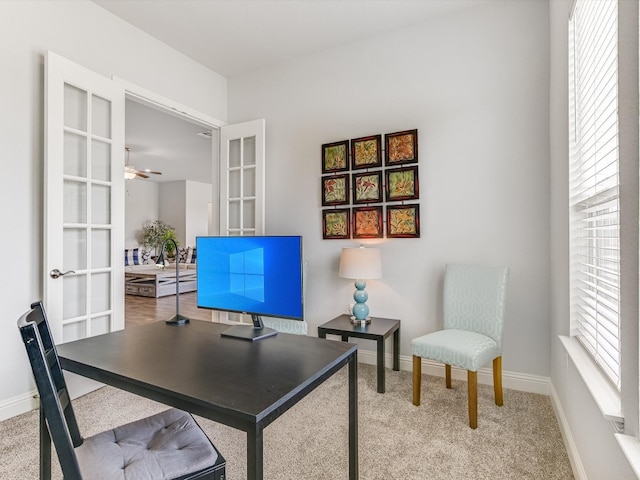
x: 350, y: 309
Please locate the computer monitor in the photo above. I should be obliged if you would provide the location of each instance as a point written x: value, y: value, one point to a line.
x: 258, y: 276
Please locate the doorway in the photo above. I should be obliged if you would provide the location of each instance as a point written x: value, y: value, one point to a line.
x: 180, y: 151
x: 176, y: 156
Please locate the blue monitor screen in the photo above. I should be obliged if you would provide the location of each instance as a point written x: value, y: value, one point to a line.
x: 253, y: 275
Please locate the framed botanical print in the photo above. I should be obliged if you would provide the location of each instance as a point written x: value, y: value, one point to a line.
x: 367, y: 187
x: 335, y: 190
x: 403, y: 221
x: 367, y: 222
x: 366, y: 152
x: 401, y: 147
x: 335, y: 157
x: 401, y: 184
x: 336, y: 224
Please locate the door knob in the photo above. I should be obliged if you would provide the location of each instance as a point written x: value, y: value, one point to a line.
x: 55, y: 273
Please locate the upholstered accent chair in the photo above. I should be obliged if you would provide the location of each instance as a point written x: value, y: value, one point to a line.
x: 167, y: 446
x: 473, y: 307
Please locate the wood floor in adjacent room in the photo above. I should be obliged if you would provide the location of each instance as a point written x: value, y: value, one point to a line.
x: 139, y: 310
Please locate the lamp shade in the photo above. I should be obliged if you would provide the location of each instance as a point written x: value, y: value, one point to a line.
x: 360, y: 263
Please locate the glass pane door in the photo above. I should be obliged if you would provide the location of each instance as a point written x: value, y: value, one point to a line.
x: 84, y: 202
x: 242, y: 167
x: 86, y: 225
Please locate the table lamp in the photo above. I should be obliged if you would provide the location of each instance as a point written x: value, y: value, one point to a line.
x: 360, y: 264
x: 177, y: 319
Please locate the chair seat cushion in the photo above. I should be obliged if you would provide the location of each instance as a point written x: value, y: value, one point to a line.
x: 164, y: 446
x: 460, y: 348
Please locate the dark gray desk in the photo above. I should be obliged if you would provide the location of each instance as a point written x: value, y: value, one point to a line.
x: 242, y: 384
x: 379, y: 330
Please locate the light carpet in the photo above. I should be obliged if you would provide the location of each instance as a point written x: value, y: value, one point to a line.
x: 397, y: 440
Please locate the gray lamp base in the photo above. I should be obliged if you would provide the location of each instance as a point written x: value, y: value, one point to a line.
x: 360, y: 323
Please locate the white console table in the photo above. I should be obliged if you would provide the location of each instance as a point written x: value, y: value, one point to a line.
x: 159, y: 283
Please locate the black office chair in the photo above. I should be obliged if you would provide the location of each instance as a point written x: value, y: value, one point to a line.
x: 166, y: 446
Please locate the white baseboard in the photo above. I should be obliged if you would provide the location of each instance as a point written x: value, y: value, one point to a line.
x: 18, y: 405
x: 572, y: 451
x: 516, y: 381
x: 26, y: 402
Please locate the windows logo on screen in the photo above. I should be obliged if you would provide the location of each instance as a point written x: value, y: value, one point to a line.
x: 246, y: 274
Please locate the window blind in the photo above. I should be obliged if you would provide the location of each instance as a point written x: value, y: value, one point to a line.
x: 594, y: 182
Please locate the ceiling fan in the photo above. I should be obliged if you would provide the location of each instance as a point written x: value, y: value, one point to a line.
x: 131, y: 172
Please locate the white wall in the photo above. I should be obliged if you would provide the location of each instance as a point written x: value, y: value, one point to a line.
x: 90, y: 36
x: 475, y: 85
x: 172, y: 206
x: 197, y: 211
x: 592, y: 439
x: 182, y: 204
x: 142, y: 207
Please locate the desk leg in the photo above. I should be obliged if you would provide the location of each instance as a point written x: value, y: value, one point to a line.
x: 45, y: 447
x: 322, y: 334
x: 380, y: 363
x: 396, y: 350
x: 255, y: 454
x: 353, y: 417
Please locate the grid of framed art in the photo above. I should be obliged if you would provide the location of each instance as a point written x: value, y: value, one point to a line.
x: 361, y: 197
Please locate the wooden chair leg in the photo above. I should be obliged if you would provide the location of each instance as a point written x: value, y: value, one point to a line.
x: 472, y: 381
x: 497, y: 380
x: 447, y: 375
x: 417, y: 377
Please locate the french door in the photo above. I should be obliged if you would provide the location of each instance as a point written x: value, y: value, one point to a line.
x: 242, y: 175
x: 84, y: 201
x: 242, y: 186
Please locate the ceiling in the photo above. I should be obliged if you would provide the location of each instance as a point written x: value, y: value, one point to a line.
x: 235, y: 36
x: 232, y: 37
x: 165, y: 143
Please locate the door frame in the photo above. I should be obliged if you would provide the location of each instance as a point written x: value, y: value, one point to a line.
x: 166, y: 105
x: 151, y: 99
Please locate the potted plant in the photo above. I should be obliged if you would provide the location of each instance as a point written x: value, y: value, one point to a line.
x: 154, y: 235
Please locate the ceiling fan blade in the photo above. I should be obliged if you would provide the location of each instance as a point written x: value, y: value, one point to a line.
x: 131, y: 172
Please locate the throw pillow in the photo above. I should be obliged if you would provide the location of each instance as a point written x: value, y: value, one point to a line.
x: 131, y: 257
x: 145, y: 256
x: 183, y: 254
x: 191, y: 256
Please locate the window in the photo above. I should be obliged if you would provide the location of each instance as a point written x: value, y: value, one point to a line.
x: 594, y: 182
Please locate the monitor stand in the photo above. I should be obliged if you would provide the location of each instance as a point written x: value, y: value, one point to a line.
x: 245, y: 332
